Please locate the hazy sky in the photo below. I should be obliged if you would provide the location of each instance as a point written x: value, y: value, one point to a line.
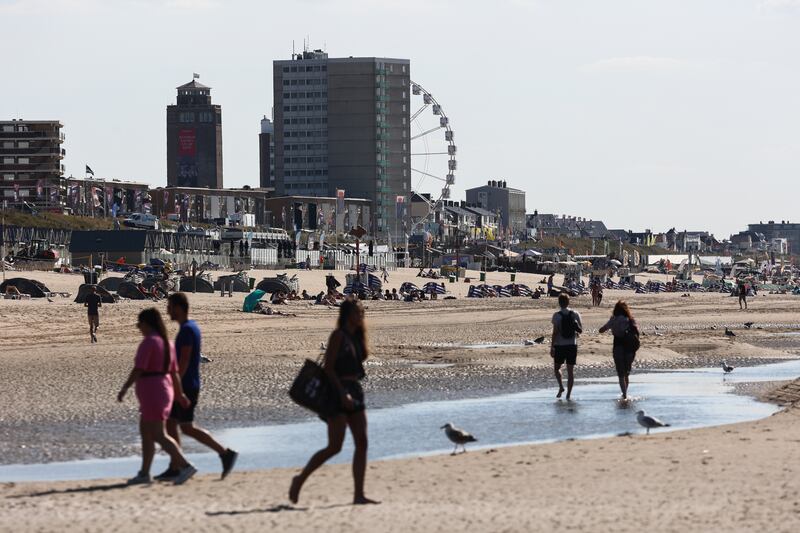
x: 642, y: 113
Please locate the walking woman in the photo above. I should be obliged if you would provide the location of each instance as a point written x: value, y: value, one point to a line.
x: 344, y: 366
x: 155, y: 373
x: 626, y: 342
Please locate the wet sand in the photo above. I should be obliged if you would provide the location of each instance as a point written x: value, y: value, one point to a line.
x: 740, y: 477
x: 60, y: 390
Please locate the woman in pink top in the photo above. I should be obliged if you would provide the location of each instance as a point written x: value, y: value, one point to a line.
x: 155, y: 373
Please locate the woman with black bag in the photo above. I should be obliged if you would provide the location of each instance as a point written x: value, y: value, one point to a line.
x: 344, y: 368
x: 626, y: 342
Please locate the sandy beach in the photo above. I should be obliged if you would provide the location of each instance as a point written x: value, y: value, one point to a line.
x: 59, y: 404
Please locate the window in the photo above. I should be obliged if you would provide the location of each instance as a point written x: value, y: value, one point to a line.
x: 8, y: 160
x: 23, y: 144
x: 8, y: 177
x: 8, y: 144
x: 206, y: 116
x: 286, y: 69
x: 24, y: 161
x: 186, y: 117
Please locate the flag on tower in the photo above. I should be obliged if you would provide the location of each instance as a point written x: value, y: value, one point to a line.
x: 89, y: 170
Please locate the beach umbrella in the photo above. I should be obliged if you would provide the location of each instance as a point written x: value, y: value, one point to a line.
x: 251, y: 300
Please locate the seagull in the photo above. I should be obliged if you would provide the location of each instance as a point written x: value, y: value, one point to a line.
x: 748, y: 325
x: 727, y: 368
x: 729, y: 333
x: 457, y: 436
x: 322, y: 346
x: 204, y: 359
x: 649, y: 422
x: 537, y: 340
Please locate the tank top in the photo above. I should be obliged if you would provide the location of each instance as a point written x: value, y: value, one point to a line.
x: 350, y: 359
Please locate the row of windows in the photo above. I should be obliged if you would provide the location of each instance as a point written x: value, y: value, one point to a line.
x: 20, y: 144
x: 317, y: 159
x: 316, y: 107
x: 313, y: 133
x: 17, y: 160
x: 186, y: 117
x: 301, y: 147
x: 307, y: 172
x: 310, y: 81
x: 304, y: 120
x: 307, y: 68
x: 304, y: 186
x: 290, y: 95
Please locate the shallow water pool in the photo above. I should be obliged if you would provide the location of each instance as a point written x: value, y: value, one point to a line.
x: 683, y: 398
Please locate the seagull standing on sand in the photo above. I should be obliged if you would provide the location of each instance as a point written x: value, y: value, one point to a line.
x: 647, y: 421
x: 748, y: 325
x: 729, y: 333
x: 459, y: 437
x: 727, y: 368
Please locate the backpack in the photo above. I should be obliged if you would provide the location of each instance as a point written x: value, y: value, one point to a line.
x: 569, y: 325
x: 631, y: 341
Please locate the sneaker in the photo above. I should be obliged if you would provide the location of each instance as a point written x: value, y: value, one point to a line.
x: 167, y: 475
x: 228, y: 458
x: 140, y: 479
x: 184, y: 474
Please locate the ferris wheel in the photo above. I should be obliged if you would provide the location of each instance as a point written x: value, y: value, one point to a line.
x: 433, y: 152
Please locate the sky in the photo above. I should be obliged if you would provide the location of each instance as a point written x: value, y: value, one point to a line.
x: 646, y: 114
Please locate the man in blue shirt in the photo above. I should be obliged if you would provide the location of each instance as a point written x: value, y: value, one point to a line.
x: 187, y: 349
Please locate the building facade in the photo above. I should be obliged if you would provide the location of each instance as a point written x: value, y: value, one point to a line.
x: 779, y: 230
x: 509, y: 203
x: 266, y: 154
x: 344, y: 124
x: 30, y: 162
x: 194, y: 139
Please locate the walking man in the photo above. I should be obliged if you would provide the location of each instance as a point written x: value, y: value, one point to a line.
x: 93, y: 302
x: 742, y: 293
x: 187, y: 349
x: 564, y: 346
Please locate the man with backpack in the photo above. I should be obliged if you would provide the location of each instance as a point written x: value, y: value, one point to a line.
x: 564, y: 346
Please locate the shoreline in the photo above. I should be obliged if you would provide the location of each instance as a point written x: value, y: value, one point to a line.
x: 514, y: 488
x: 752, y: 387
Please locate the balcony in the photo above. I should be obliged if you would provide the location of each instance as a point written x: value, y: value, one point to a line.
x: 32, y: 135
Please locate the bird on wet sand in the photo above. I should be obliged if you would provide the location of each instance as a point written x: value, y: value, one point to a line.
x: 727, y: 368
x: 729, y: 333
x: 649, y: 422
x: 537, y: 340
x: 459, y: 437
x: 748, y: 325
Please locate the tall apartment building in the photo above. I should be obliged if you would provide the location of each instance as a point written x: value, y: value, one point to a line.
x: 194, y: 139
x: 30, y: 161
x: 498, y: 197
x: 266, y: 154
x: 344, y: 123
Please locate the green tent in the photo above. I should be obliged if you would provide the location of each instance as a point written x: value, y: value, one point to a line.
x: 251, y: 300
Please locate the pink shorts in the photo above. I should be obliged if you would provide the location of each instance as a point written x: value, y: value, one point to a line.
x: 155, y: 396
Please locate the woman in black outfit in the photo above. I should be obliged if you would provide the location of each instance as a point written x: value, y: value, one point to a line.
x: 344, y: 365
x: 622, y: 325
